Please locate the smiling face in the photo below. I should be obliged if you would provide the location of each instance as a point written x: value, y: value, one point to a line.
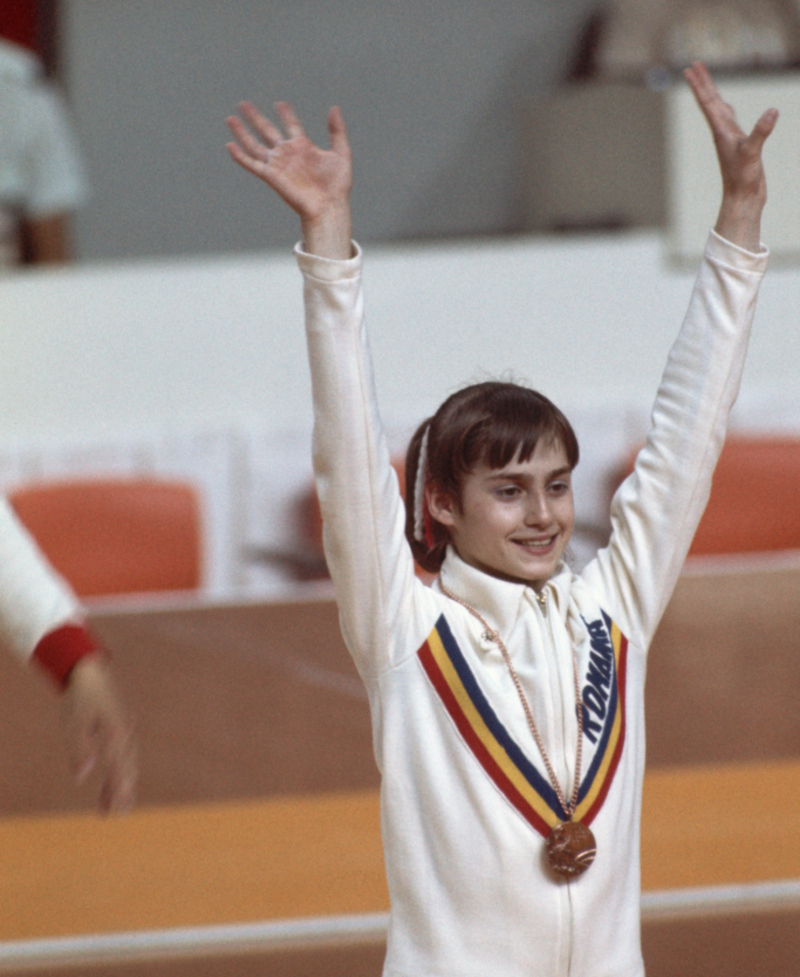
x: 512, y: 522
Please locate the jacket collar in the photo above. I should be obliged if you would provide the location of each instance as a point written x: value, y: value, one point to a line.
x: 500, y: 602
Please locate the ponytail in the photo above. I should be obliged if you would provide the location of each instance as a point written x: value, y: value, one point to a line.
x: 427, y: 537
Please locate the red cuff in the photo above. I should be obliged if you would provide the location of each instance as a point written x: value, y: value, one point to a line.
x: 60, y: 651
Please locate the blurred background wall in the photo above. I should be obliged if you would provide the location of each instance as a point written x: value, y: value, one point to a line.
x: 432, y: 93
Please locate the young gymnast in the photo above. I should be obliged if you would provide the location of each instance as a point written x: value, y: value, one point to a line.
x: 507, y: 698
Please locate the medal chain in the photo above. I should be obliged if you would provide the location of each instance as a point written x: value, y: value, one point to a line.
x: 494, y: 636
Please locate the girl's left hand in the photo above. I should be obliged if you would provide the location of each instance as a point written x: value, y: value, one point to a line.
x: 744, y: 185
x: 739, y: 154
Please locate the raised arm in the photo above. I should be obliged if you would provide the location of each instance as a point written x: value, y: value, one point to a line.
x: 656, y: 510
x: 314, y: 182
x: 744, y: 186
x: 363, y: 515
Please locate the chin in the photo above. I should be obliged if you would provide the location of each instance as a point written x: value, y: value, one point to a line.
x: 523, y: 575
x: 541, y: 574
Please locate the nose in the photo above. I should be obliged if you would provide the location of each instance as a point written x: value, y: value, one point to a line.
x: 538, y: 512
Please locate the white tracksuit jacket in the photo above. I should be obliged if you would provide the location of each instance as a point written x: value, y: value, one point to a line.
x: 34, y: 600
x: 465, y: 797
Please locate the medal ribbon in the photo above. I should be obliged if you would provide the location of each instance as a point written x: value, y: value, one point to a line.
x: 496, y: 750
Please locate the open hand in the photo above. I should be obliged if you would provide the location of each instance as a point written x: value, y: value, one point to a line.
x: 314, y: 182
x: 743, y: 181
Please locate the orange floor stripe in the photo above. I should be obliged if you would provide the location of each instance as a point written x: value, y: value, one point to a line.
x: 320, y: 855
x: 721, y: 825
x: 191, y: 866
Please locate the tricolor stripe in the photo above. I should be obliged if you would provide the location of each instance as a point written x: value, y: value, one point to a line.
x: 498, y: 753
x: 513, y: 773
x: 598, y: 779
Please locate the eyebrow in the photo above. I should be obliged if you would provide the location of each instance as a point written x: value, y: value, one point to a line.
x: 503, y: 475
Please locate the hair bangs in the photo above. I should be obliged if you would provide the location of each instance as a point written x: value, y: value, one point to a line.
x: 514, y: 420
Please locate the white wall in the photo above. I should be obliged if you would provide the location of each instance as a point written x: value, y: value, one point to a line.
x: 109, y: 347
x: 116, y: 347
x: 197, y: 367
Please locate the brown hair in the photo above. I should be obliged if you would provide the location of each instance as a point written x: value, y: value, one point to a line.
x: 491, y: 422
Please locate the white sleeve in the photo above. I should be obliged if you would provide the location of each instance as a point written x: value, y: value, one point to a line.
x: 655, y: 512
x: 34, y: 600
x: 363, y: 514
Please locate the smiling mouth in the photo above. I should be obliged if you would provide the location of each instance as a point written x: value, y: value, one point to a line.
x: 537, y: 546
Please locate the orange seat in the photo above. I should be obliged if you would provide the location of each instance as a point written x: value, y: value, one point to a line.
x: 755, y: 498
x: 116, y: 536
x: 754, y: 504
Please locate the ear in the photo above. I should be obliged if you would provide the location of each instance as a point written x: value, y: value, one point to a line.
x: 441, y: 505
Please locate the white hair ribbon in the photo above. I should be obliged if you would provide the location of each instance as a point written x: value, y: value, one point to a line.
x: 419, y: 488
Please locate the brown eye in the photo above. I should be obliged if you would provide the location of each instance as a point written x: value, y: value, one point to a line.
x: 507, y: 491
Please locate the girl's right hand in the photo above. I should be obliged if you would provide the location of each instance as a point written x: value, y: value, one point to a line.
x: 314, y: 182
